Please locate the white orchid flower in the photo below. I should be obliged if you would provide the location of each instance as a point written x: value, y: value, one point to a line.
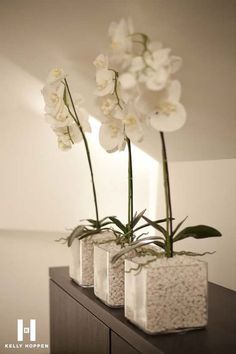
x: 127, y: 80
x: 170, y: 114
x: 137, y: 64
x: 101, y: 62
x: 67, y: 136
x: 61, y: 119
x: 111, y: 135
x: 121, y: 44
x: 120, y: 61
x: 53, y: 98
x: 157, y: 70
x: 105, y: 82
x: 120, y: 32
x: 158, y: 58
x: 163, y: 109
x: 108, y: 105
x: 133, y: 126
x: 55, y: 76
x: 155, y: 80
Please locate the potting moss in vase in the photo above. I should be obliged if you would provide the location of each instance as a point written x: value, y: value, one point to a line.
x: 164, y: 291
x: 69, y: 121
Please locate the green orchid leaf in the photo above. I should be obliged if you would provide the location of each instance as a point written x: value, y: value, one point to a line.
x: 105, y: 218
x: 178, y: 226
x: 89, y: 233
x: 119, y: 224
x: 134, y: 245
x: 91, y: 221
x: 155, y: 225
x: 198, y: 232
x: 65, y: 97
x: 158, y: 221
x: 79, y: 230
x: 160, y: 244
x: 106, y: 223
x: 141, y: 236
x: 137, y: 217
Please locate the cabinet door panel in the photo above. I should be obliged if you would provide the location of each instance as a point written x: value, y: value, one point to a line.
x: 120, y: 346
x: 73, y: 329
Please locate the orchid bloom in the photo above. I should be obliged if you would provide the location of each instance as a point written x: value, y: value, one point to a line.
x: 104, y: 76
x: 120, y: 32
x: 152, y: 69
x: 170, y: 114
x: 53, y: 97
x: 61, y: 119
x: 67, y: 136
x: 101, y: 62
x: 58, y: 111
x: 111, y: 135
x: 163, y: 109
x: 121, y: 124
x: 104, y: 81
x: 55, y: 76
x: 108, y: 104
x: 132, y: 122
x: 121, y: 44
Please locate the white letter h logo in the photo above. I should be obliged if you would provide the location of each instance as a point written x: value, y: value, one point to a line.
x: 31, y: 330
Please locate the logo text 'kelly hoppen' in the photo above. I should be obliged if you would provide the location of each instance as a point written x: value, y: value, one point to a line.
x: 28, y: 334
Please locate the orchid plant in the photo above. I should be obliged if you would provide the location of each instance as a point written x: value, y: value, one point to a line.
x: 120, y: 126
x: 69, y: 121
x: 136, y: 88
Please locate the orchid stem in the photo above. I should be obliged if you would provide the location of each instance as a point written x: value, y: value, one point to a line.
x: 130, y: 190
x: 169, y: 221
x: 87, y: 152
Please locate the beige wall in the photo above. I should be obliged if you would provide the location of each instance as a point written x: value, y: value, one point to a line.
x: 24, y: 262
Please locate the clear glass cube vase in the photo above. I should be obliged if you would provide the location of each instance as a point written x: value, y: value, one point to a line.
x: 108, y: 276
x: 81, y: 267
x: 167, y: 294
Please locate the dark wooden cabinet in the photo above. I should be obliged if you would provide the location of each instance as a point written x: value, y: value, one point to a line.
x: 74, y: 329
x: 81, y: 324
x: 120, y: 346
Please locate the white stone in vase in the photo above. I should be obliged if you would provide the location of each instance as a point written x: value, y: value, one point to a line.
x: 167, y: 294
x: 81, y: 268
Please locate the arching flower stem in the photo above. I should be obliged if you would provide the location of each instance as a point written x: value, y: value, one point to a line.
x: 87, y: 152
x: 130, y: 191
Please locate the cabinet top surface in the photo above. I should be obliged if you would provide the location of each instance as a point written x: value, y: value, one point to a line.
x: 218, y: 338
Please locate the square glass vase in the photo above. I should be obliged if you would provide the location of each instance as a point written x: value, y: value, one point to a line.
x: 108, y: 277
x: 166, y: 294
x: 81, y: 263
